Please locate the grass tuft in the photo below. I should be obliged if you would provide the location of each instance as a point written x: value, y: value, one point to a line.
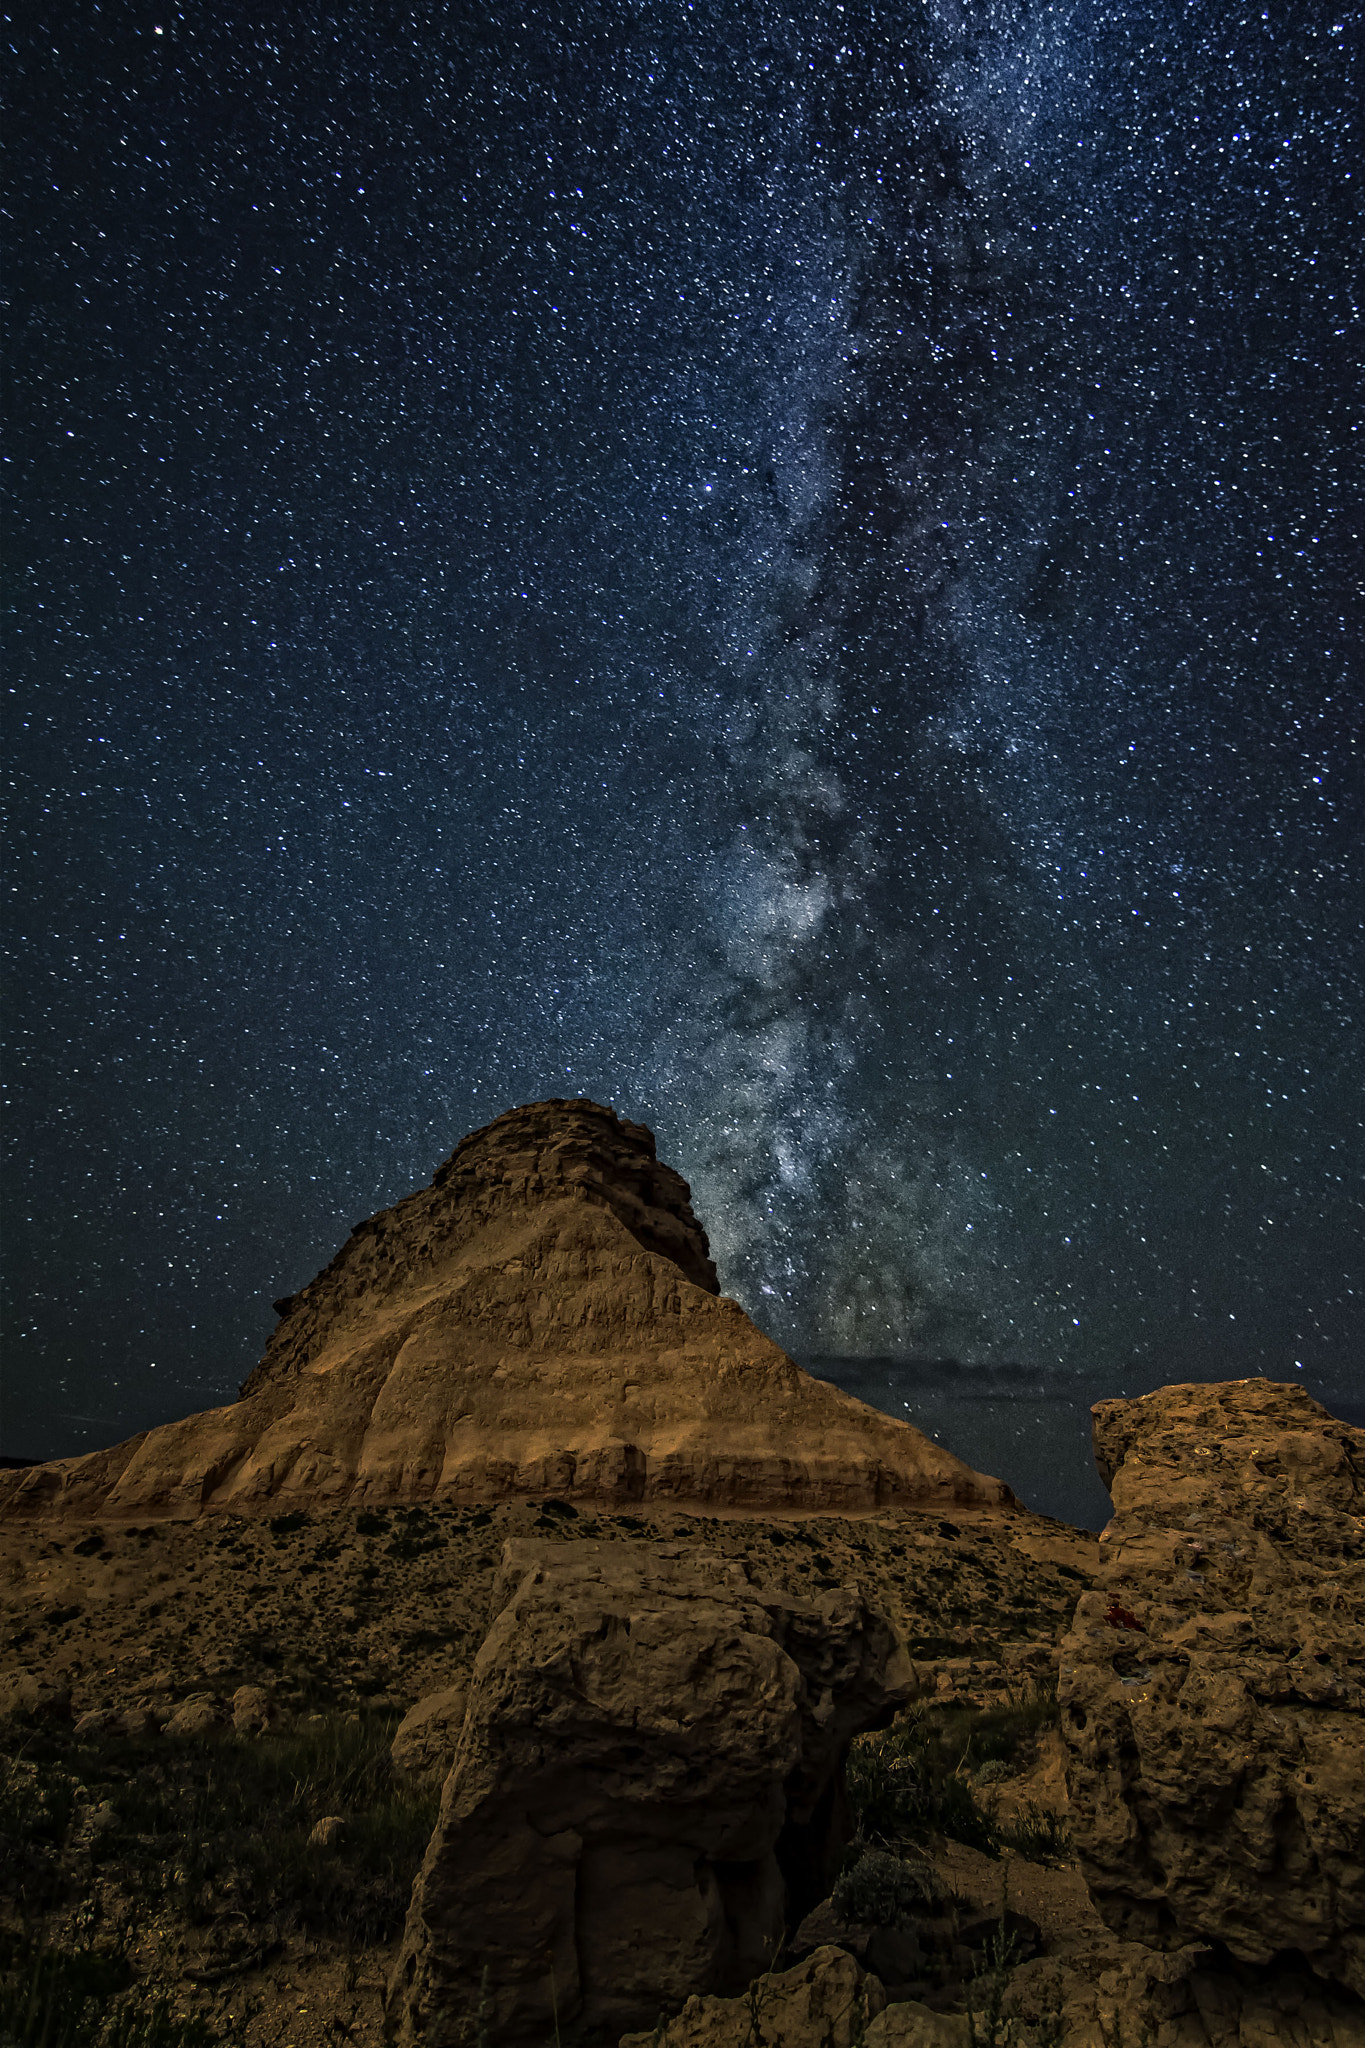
x: 52, y: 1998
x: 914, y: 1780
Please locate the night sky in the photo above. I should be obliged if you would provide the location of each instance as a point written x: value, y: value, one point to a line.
x: 795, y: 569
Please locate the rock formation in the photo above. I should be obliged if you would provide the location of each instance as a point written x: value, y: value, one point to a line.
x: 649, y: 1777
x: 544, y: 1319
x: 1212, y: 1687
x: 427, y: 1737
x: 825, y: 2002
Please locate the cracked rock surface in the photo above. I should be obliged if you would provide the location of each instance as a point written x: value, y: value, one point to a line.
x: 648, y: 1771
x: 1211, y: 1685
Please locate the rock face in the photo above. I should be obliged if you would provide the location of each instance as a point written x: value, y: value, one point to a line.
x: 825, y: 2002
x: 427, y: 1737
x: 1211, y: 1689
x: 650, y: 1767
x: 543, y: 1319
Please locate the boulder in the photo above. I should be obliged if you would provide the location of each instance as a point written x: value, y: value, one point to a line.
x: 543, y: 1320
x: 197, y: 1717
x: 424, y: 1744
x: 908, y: 2024
x: 1211, y: 1686
x: 26, y: 1697
x: 253, y: 1710
x: 649, y: 1777
x: 825, y: 2002
x: 97, y: 1723
x: 140, y: 1722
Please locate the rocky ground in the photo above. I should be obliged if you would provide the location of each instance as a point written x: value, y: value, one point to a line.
x: 377, y: 1607
x: 146, y: 1825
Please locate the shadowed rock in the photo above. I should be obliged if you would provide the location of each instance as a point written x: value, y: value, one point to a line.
x: 649, y: 1771
x: 542, y: 1320
x: 825, y: 2002
x: 1211, y: 1689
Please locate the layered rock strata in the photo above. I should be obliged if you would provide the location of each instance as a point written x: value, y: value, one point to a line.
x: 544, y: 1319
x: 648, y: 1778
x: 1211, y: 1687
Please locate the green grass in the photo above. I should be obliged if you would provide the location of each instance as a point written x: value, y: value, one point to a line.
x: 213, y: 1828
x: 240, y: 1831
x: 912, y: 1781
x: 87, y: 1998
x: 1039, y: 1834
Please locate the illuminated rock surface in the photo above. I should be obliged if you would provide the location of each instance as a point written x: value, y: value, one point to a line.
x: 1212, y: 1685
x: 544, y: 1319
x: 648, y: 1773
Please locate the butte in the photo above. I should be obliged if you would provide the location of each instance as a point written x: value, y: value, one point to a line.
x: 543, y: 1320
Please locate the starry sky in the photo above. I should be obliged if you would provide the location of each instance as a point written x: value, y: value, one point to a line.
x: 793, y: 568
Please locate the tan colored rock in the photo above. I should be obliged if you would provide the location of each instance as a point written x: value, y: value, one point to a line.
x: 140, y: 1722
x: 651, y: 1757
x: 424, y: 1743
x: 825, y: 2002
x: 198, y: 1717
x: 253, y: 1710
x: 97, y: 1723
x: 908, y: 2024
x: 542, y: 1320
x: 1211, y: 1690
x: 28, y: 1697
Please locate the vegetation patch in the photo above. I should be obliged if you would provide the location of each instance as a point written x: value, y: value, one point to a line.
x: 914, y: 1781
x: 87, y: 1998
x: 218, y: 1834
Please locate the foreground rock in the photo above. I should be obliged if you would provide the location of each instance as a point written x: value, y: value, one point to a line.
x: 1211, y: 1689
x: 544, y: 1319
x: 825, y: 2002
x: 648, y: 1780
x: 427, y: 1737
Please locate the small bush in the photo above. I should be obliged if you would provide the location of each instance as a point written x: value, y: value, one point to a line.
x: 990, y: 2022
x: 1039, y: 1834
x: 881, y: 1890
x: 905, y: 1785
x: 914, y: 1780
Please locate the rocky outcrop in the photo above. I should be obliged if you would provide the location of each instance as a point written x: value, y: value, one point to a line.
x: 1211, y: 1688
x: 542, y: 1320
x: 648, y: 1779
x: 825, y: 2002
x: 428, y: 1735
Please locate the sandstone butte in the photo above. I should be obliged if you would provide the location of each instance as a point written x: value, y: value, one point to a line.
x: 543, y: 1320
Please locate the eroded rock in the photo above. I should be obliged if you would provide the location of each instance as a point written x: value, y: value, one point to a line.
x: 1211, y: 1689
x: 253, y: 1710
x: 543, y: 1320
x: 199, y: 1717
x: 649, y: 1774
x: 825, y: 2002
x: 425, y: 1740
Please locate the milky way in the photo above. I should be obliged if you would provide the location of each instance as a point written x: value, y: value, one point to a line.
x: 796, y: 570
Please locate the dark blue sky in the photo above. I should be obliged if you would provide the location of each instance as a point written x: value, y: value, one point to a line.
x: 794, y: 569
